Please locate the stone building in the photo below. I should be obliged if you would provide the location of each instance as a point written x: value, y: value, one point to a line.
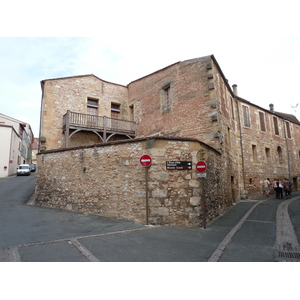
x: 189, y: 99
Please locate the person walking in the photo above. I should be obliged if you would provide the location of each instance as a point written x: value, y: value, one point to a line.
x: 276, y: 188
x: 280, y: 189
x: 287, y: 188
x: 267, y: 186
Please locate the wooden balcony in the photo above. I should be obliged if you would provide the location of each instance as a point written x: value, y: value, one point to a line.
x: 104, y: 127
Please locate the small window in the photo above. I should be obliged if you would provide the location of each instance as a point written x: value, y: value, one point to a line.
x: 92, y: 102
x: 262, y: 121
x: 279, y: 155
x: 166, y: 96
x: 246, y: 116
x: 288, y: 130
x: 268, y: 157
x: 131, y: 112
x: 115, y: 107
x: 228, y: 138
x: 232, y: 108
x: 92, y: 106
x: 276, y: 129
x: 254, y: 153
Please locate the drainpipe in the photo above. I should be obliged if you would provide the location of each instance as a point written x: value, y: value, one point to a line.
x: 287, y: 149
x: 241, y: 136
x: 39, y: 144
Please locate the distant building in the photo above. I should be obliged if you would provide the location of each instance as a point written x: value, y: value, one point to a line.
x: 186, y: 99
x: 15, y: 148
x: 34, y: 149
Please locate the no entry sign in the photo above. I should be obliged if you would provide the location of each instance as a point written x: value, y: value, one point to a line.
x: 201, y: 166
x: 145, y: 160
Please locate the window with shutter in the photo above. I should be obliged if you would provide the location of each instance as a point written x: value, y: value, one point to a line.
x: 262, y: 121
x: 275, y: 121
x: 246, y: 116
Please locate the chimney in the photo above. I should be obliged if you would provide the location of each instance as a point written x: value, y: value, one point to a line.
x: 271, y: 107
x: 235, y: 89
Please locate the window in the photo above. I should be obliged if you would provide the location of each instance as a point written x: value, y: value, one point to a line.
x: 115, y: 114
x: 262, y: 121
x: 92, y: 107
x: 92, y: 111
x: 275, y: 121
x: 115, y: 111
x: 288, y: 130
x: 232, y: 108
x: 246, y: 116
x: 131, y: 112
x: 279, y: 155
x: 166, y: 96
x: 254, y: 153
x: 228, y: 139
x: 268, y: 157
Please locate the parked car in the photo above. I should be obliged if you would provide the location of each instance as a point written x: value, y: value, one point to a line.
x: 23, y: 170
x: 32, y: 168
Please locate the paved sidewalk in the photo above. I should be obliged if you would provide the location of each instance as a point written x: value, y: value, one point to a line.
x: 247, y: 231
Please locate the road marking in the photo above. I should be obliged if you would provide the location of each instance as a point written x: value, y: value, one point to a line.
x: 14, y: 255
x: 87, y: 236
x: 258, y: 221
x: 286, y: 238
x: 84, y: 251
x: 221, y: 248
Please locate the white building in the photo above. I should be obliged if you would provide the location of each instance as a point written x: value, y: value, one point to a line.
x: 16, y: 138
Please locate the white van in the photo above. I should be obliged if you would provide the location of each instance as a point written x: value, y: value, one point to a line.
x: 23, y: 170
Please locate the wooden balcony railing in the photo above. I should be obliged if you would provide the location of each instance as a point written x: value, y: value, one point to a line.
x: 98, y: 124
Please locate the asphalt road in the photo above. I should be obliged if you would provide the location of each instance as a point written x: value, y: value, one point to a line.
x: 255, y: 230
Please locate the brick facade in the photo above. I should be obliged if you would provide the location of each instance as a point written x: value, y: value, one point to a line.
x: 189, y: 99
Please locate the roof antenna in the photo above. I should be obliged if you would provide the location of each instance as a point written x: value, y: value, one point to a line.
x: 294, y: 107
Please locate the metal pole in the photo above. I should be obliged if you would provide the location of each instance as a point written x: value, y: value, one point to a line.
x: 203, y: 203
x: 104, y: 129
x: 147, y: 203
x: 67, y: 128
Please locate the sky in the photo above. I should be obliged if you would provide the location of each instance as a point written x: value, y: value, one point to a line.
x: 256, y: 43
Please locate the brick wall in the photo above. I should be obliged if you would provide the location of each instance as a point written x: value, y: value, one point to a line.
x: 108, y: 180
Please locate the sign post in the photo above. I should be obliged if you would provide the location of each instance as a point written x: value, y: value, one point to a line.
x: 146, y: 161
x: 201, y: 167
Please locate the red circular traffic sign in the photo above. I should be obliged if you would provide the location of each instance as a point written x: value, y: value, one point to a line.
x: 201, y: 166
x: 146, y: 160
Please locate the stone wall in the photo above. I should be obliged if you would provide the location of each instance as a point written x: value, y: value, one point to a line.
x: 108, y: 180
x: 72, y: 93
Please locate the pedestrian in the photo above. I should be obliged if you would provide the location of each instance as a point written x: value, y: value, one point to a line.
x: 275, y: 187
x: 287, y: 188
x: 267, y: 186
x: 279, y: 188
